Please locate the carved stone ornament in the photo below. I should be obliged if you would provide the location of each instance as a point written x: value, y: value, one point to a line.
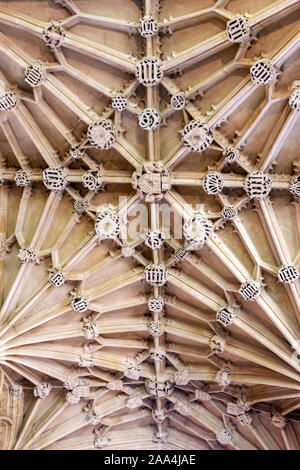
x: 196, y: 230
x: 92, y: 418
x: 202, y: 395
x: 80, y: 206
x: 34, y: 75
x: 155, y: 274
x: 212, y: 183
x: 127, y: 250
x: 119, y: 102
x: 154, y: 240
x: 76, y: 152
x: 16, y: 390
x: 92, y: 179
x: 197, y: 136
x: 78, y: 388
x: 101, y: 438
x: 85, y: 358
x: 56, y: 277
x: 148, y: 71
x: 158, y: 354
x: 161, y: 437
x: 8, y: 101
x: 55, y: 178
x: 156, y: 328
x: 181, y: 377
x: 156, y: 304
x: 134, y: 401
x: 238, y: 29
x: 243, y: 401
x: 42, y: 390
x: 151, y: 181
x: 263, y: 72
x: 279, y: 420
x: 288, y: 274
x: 223, y: 377
x: 115, y: 385
x: 224, y: 436
x: 102, y: 134
x: 258, y: 185
x: 294, y: 100
x: 217, y: 344
x: 53, y: 35
x: 295, y: 186
x: 180, y: 255
x: 231, y: 154
x: 229, y: 213
x: 235, y: 409
x: 159, y: 415
x: 178, y: 101
x: 159, y: 389
x: 27, y: 255
x: 89, y: 328
x: 245, y: 419
x: 107, y: 224
x: 79, y: 302
x: 131, y: 369
x: 149, y: 119
x: 250, y: 290
x: 148, y: 27
x: 226, y: 315
x: 23, y: 178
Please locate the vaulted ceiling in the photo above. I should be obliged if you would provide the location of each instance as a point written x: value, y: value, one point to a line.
x: 179, y: 329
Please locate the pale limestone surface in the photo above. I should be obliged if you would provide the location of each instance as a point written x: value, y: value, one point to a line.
x: 206, y: 354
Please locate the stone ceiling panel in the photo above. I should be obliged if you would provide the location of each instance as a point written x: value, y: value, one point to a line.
x: 149, y: 224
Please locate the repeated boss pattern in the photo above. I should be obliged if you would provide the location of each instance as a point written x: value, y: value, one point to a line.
x: 195, y: 340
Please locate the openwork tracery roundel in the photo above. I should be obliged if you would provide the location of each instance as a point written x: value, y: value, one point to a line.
x: 8, y: 101
x: 250, y: 290
x: 149, y: 71
x: 23, y: 178
x: 55, y: 178
x: 34, y: 75
x: 238, y: 29
x: 197, y: 136
x: 295, y: 186
x: 154, y: 240
x: 156, y: 304
x: 197, y: 229
x: 156, y: 274
x: 53, y: 35
x: 56, y: 277
x: 149, y: 119
x: 258, y: 185
x: 148, y: 27
x: 178, y: 101
x: 119, y: 102
x: 107, y: 224
x: 92, y: 179
x: 263, y: 72
x: 153, y: 275
x: 229, y: 212
x: 226, y: 315
x: 102, y: 134
x: 213, y: 183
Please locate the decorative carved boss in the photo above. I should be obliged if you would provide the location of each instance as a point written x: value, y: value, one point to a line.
x: 151, y: 181
x: 148, y: 71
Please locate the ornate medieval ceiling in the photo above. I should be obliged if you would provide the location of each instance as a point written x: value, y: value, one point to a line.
x: 149, y: 224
